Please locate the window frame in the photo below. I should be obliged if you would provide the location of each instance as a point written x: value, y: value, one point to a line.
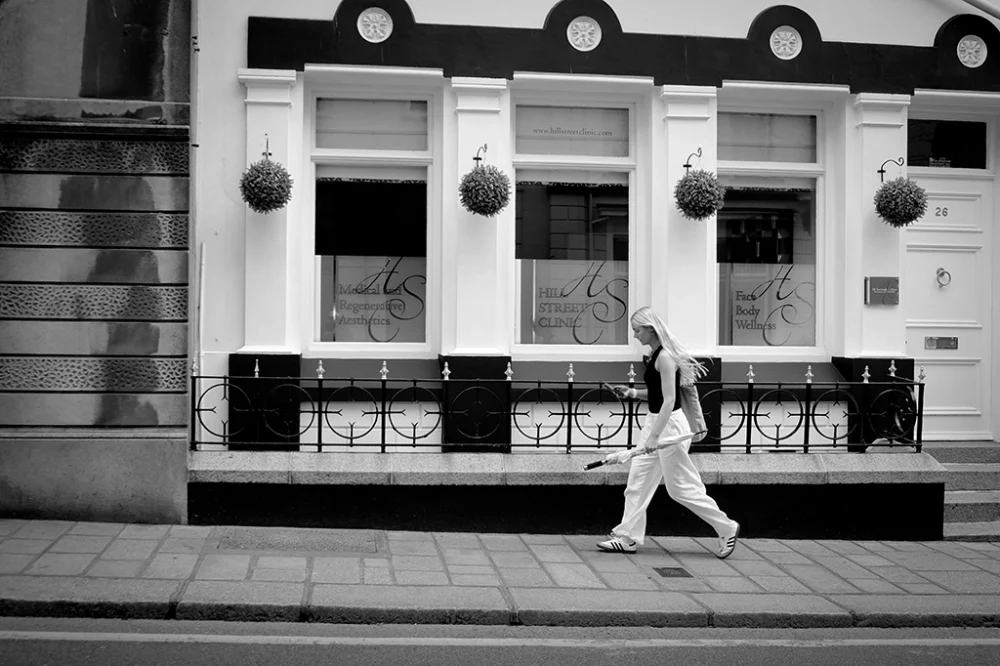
x: 819, y: 171
x: 427, y: 86
x: 638, y: 125
x: 919, y: 111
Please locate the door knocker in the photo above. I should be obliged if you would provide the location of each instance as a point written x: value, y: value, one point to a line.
x: 943, y: 278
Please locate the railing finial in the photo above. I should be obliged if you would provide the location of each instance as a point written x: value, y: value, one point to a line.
x: 446, y: 372
x: 384, y: 372
x: 631, y: 373
x: 194, y: 365
x: 570, y: 374
x: 892, y: 368
x: 320, y: 370
x: 865, y: 376
x: 750, y: 374
x: 509, y: 372
x: 256, y: 368
x: 809, y: 374
x: 921, y: 377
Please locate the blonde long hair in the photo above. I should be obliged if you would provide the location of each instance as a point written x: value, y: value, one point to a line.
x: 690, y: 368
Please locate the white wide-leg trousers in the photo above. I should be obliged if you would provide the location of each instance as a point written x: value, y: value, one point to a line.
x: 673, y: 465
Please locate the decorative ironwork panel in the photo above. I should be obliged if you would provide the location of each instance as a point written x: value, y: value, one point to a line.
x: 144, y: 375
x: 94, y: 156
x: 39, y: 301
x: 163, y: 230
x: 565, y: 416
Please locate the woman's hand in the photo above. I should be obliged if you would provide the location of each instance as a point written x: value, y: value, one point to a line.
x: 622, y: 391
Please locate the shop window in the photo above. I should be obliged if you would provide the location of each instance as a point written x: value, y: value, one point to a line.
x: 574, y: 131
x: 951, y: 144
x: 359, y: 124
x: 766, y: 137
x: 371, y: 250
x: 767, y: 262
x: 572, y: 251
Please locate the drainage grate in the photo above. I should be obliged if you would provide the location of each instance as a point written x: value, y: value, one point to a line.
x: 672, y: 572
x: 297, y: 539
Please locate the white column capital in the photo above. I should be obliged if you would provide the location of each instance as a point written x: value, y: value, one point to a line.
x: 268, y: 86
x: 478, y: 95
x: 688, y: 102
x: 881, y: 110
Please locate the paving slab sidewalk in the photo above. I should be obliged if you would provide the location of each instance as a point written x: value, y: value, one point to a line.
x: 79, y: 569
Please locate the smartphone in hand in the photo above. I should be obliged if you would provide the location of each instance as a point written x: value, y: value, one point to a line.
x: 616, y: 390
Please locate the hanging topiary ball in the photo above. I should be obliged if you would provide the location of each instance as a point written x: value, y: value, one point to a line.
x: 699, y: 194
x: 485, y: 190
x: 266, y: 186
x: 900, y: 202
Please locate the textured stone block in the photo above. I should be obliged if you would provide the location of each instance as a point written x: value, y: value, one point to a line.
x: 69, y: 301
x: 106, y: 155
x: 138, y: 375
x: 97, y: 229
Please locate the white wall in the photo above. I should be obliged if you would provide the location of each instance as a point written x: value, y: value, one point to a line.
x: 220, y: 115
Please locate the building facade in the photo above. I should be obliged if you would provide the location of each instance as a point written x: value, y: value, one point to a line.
x: 113, y: 236
x: 595, y: 111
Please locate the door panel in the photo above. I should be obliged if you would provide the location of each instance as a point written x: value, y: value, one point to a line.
x: 948, y: 301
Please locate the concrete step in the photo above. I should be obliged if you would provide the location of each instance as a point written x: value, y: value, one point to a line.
x: 972, y: 476
x: 964, y: 452
x: 986, y: 531
x: 971, y: 506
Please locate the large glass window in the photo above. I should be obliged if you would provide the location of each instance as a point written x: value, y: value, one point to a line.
x: 572, y: 250
x: 766, y: 231
x: 565, y: 130
x: 383, y: 124
x: 372, y: 258
x: 371, y: 221
x: 767, y: 137
x: 767, y: 262
x: 954, y: 144
x: 572, y: 224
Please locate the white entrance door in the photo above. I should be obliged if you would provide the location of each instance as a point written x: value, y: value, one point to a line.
x: 948, y: 301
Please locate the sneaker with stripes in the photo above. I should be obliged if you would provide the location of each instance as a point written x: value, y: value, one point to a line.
x: 617, y: 544
x: 728, y: 544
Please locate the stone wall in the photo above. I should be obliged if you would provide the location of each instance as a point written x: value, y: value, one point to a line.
x: 94, y: 260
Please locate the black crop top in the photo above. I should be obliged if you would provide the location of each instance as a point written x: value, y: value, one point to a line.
x: 654, y: 388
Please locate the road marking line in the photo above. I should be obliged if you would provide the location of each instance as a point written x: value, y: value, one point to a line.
x: 417, y: 641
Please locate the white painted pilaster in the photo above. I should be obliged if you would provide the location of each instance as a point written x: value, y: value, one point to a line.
x: 477, y: 251
x: 872, y: 247
x: 269, y: 313
x: 685, y: 281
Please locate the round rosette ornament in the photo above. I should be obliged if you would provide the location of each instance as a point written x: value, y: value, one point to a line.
x: 900, y: 202
x: 485, y: 190
x: 266, y: 186
x: 699, y: 194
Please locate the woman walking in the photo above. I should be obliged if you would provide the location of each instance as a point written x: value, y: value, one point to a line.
x: 658, y: 454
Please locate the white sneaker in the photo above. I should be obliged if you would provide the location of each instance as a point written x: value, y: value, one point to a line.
x: 617, y: 544
x: 728, y: 544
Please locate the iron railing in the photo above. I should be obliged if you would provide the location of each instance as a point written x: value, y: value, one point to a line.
x: 388, y: 414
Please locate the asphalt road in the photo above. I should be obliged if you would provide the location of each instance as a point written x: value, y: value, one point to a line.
x: 34, y: 642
